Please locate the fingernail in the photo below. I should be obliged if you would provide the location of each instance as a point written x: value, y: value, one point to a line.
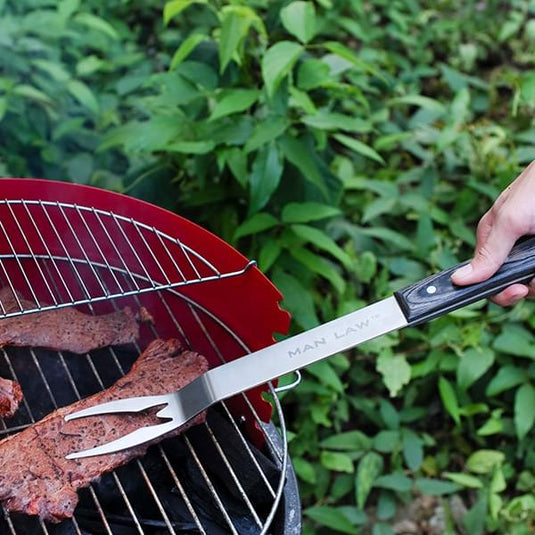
x: 463, y: 272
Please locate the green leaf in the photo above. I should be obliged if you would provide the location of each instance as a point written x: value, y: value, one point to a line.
x: 368, y: 470
x: 436, y: 487
x: 233, y: 101
x: 323, y: 241
x: 336, y: 461
x: 473, y: 364
x: 305, y: 212
x: 96, y: 23
x: 381, y: 187
x: 449, y: 399
x: 302, y: 156
x: 83, y: 95
x: 346, y: 53
x: 31, y: 93
x: 378, y: 207
x: 53, y: 69
x: 236, y: 160
x: 269, y: 253
x: 186, y: 48
x: 515, y: 340
x: 507, y: 377
x: 493, y: 425
x: 413, y: 450
x: 419, y: 100
x: 382, y: 529
x: 236, y: 22
x: 389, y: 141
x: 299, y: 18
x: 191, y: 147
x: 337, y: 121
x: 397, y: 482
x: 498, y: 482
x: 326, y: 375
x: 389, y: 414
x: 297, y: 300
x: 305, y: 470
x: 359, y: 147
x: 347, y: 441
x: 90, y: 65
x: 67, y: 7
x: 319, y: 265
x: 386, y: 506
x: 173, y: 8
x: 80, y: 167
x: 301, y: 101
x: 387, y: 441
x: 312, y: 73
x: 265, y: 177
x: 265, y: 131
x: 277, y: 63
x: 465, y: 480
x: 332, y: 518
x: 255, y: 224
x: 395, y: 370
x: 474, y: 520
x: 520, y: 508
x: 527, y: 88
x: 365, y: 266
x: 460, y: 107
x: 145, y: 136
x: 524, y: 410
x: 484, y: 461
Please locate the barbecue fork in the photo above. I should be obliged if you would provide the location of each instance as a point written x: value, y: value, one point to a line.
x: 416, y: 304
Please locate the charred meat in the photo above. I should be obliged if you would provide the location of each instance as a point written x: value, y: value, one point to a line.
x: 35, y: 477
x: 63, y: 329
x: 10, y: 397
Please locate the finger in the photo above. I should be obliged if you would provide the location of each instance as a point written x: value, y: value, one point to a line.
x: 495, y: 241
x: 484, y: 228
x: 511, y: 295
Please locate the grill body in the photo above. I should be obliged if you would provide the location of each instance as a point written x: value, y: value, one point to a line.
x: 69, y: 245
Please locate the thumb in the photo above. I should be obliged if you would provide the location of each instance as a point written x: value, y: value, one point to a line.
x: 490, y: 254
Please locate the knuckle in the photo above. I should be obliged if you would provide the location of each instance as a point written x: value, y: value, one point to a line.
x: 511, y: 221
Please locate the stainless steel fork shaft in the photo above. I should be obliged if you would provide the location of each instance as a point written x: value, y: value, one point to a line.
x: 303, y: 349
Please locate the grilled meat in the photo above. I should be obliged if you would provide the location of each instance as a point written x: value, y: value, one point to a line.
x: 64, y: 329
x: 35, y: 477
x: 10, y: 397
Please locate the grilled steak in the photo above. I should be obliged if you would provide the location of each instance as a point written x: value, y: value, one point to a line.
x: 35, y: 477
x: 10, y: 397
x: 63, y: 329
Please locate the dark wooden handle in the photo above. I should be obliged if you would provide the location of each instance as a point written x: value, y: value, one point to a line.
x: 437, y: 295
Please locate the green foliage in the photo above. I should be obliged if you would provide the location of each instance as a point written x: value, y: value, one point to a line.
x: 351, y: 148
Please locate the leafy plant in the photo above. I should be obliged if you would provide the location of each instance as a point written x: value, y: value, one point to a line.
x: 351, y: 148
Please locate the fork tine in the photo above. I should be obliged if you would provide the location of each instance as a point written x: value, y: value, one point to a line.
x: 135, y: 404
x: 135, y: 438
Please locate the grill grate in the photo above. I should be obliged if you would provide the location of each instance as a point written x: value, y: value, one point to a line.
x: 100, y: 261
x: 110, y: 256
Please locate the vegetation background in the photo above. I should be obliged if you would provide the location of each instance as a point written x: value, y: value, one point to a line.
x: 350, y: 147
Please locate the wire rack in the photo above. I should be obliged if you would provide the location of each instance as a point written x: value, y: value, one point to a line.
x: 109, y: 255
x: 58, y: 255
